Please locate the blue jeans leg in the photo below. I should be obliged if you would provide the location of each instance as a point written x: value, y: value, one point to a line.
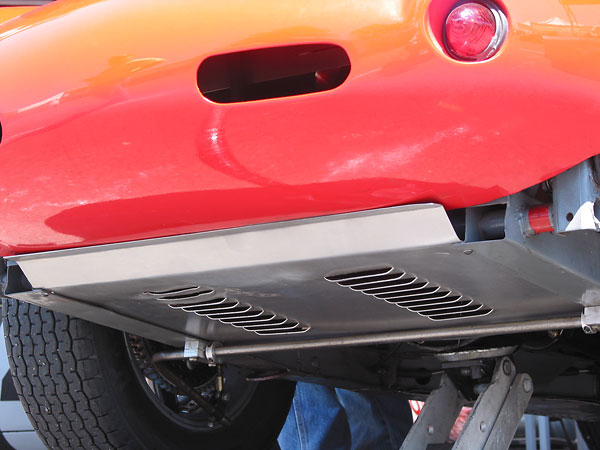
x: 323, y: 418
x: 316, y: 421
x: 378, y: 421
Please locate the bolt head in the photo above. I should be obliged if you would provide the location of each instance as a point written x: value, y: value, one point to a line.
x: 483, y: 427
x: 468, y: 251
x: 507, y: 367
x: 430, y: 429
x: 527, y: 384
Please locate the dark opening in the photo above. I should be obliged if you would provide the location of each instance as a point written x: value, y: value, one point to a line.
x: 479, y: 223
x: 408, y: 294
x: 16, y: 280
x: 361, y: 274
x: 461, y: 315
x: 433, y: 309
x: 359, y: 282
x: 173, y: 290
x: 213, y: 309
x: 264, y: 318
x: 212, y: 302
x: 428, y: 299
x: 186, y: 296
x: 273, y: 72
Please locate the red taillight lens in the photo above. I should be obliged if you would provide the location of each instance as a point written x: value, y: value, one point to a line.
x: 473, y: 31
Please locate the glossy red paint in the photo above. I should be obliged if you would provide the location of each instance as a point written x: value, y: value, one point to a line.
x: 106, y: 137
x: 540, y: 220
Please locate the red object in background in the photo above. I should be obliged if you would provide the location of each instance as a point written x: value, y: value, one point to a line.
x: 459, y: 424
x: 540, y: 219
x: 417, y: 406
x: 470, y: 29
x: 107, y: 138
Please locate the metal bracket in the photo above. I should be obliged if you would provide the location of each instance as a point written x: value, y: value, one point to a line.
x: 497, y: 411
x: 576, y: 194
x: 194, y: 348
x: 492, y: 422
x: 590, y: 319
x: 209, y: 353
x: 436, y: 418
x: 510, y: 415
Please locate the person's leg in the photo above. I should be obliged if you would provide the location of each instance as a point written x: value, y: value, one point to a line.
x: 316, y: 421
x: 378, y: 421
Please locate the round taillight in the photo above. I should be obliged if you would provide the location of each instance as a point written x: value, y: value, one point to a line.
x: 474, y: 31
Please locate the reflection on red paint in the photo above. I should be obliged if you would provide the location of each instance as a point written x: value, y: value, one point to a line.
x: 106, y: 138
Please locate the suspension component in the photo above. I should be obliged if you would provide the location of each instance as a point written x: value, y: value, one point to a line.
x: 219, y: 379
x: 182, y: 387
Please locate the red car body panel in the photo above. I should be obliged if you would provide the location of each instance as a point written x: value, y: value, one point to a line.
x: 106, y: 137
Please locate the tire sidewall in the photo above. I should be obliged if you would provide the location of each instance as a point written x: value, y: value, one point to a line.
x: 256, y: 427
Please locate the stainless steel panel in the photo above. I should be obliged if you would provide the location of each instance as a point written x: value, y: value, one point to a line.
x: 280, y: 268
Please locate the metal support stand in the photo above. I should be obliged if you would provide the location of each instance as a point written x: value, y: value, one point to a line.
x: 492, y: 422
x: 436, y: 418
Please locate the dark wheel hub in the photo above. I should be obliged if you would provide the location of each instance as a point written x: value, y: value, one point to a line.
x: 179, y: 407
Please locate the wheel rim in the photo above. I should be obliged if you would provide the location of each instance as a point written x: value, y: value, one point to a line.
x: 235, y: 396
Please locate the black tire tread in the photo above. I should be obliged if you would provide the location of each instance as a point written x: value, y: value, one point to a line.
x: 57, y: 376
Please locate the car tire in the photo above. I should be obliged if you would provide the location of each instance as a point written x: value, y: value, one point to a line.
x: 79, y: 388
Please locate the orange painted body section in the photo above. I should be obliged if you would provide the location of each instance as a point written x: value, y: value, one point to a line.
x: 106, y: 137
x: 10, y: 12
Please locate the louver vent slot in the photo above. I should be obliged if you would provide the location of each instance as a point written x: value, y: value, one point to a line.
x: 436, y: 308
x: 394, y: 289
x: 427, y: 302
x: 408, y: 294
x: 373, y: 288
x: 273, y: 325
x: 439, y: 297
x: 374, y: 280
x: 359, y: 275
x: 252, y: 321
x: 180, y: 291
x: 298, y: 329
x: 191, y: 306
x: 205, y: 310
x: 407, y: 291
x: 472, y: 307
x: 242, y: 321
x: 229, y: 311
x: 187, y: 295
x: 462, y: 315
x: 238, y: 311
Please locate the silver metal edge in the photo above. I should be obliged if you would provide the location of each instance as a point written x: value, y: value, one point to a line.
x: 413, y: 226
